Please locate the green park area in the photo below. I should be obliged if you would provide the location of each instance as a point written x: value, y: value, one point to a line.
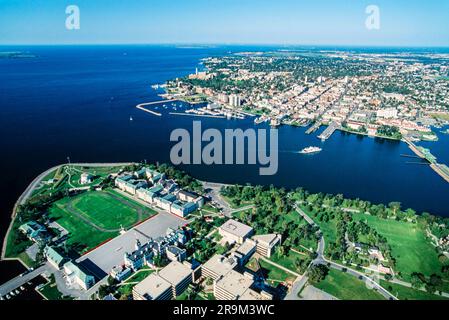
x: 67, y: 177
x: 407, y: 293
x: 347, y: 287
x: 50, y: 291
x: 139, y: 275
x: 274, y: 275
x: 291, y: 260
x: 236, y: 202
x: 409, y: 246
x: 96, y: 216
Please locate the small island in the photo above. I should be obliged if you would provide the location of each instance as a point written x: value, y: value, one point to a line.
x: 16, y: 55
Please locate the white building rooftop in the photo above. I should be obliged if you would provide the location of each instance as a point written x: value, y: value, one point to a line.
x: 152, y: 286
x: 250, y: 294
x: 247, y: 246
x: 175, y: 272
x: 220, y: 264
x: 236, y: 228
x: 235, y: 283
x: 266, y: 239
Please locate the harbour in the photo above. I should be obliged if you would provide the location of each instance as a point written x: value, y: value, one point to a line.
x: 91, y: 128
x: 142, y: 105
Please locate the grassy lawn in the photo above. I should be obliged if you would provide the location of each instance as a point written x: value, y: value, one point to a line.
x: 100, y: 208
x: 234, y: 206
x: 405, y: 293
x: 252, y: 264
x: 139, y: 275
x: 329, y: 229
x: 126, y: 289
x: 14, y: 244
x: 293, y: 216
x: 287, y: 260
x: 273, y: 274
x: 412, y: 251
x: 80, y: 233
x: 130, y: 202
x: 208, y: 207
x: 346, y: 287
x: 241, y: 214
x: 50, y: 292
x: 104, y: 210
x: 99, y: 173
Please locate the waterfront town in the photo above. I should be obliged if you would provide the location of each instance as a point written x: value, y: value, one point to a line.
x: 360, y: 92
x: 151, y: 232
x: 401, y: 96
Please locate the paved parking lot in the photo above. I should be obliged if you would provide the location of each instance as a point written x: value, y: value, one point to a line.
x: 101, y: 260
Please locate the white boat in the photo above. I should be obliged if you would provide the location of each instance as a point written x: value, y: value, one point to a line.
x: 130, y: 118
x: 310, y: 150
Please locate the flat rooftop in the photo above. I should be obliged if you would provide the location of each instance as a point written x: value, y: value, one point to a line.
x: 152, y: 286
x: 235, y: 283
x: 175, y: 272
x: 247, y: 246
x: 267, y: 239
x: 101, y: 260
x: 250, y: 294
x: 236, y: 228
x: 220, y: 264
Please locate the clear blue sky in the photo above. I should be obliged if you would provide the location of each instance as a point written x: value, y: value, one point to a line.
x: 308, y: 22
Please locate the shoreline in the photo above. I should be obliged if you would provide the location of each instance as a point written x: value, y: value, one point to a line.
x: 35, y: 182
x: 30, y: 188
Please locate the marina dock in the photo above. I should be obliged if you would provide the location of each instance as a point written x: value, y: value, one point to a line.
x: 314, y: 128
x: 329, y: 131
x: 142, y: 105
x: 197, y: 115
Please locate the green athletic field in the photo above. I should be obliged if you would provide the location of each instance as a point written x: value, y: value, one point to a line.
x: 96, y: 216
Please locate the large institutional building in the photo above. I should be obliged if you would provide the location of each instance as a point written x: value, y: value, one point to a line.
x: 266, y: 243
x: 168, y: 283
x: 235, y: 232
x: 153, y: 287
x: 163, y: 192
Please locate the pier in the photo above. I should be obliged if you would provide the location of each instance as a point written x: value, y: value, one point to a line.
x: 410, y: 156
x: 441, y: 169
x: 142, y: 105
x: 329, y: 131
x: 314, y: 128
x: 197, y: 115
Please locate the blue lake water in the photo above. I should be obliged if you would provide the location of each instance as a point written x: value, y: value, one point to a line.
x: 76, y: 102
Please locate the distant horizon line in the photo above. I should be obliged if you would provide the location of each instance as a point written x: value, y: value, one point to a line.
x: 224, y: 44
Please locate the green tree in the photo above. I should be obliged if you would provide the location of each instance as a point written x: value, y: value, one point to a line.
x: 317, y: 273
